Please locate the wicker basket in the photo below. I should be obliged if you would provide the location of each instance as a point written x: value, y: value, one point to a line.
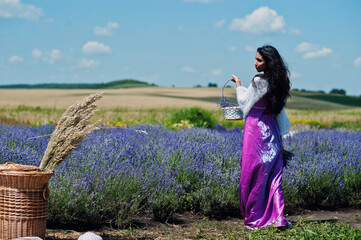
x: 24, y: 196
x: 231, y: 112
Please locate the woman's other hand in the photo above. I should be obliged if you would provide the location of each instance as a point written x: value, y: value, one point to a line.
x: 236, y: 80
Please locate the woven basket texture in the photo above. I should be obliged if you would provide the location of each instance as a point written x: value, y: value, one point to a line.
x: 23, y: 201
x: 232, y: 113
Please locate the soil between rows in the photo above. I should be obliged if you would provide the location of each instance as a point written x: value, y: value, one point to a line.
x: 189, y: 225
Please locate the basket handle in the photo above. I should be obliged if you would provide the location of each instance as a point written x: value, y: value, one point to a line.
x: 225, y: 86
x: 46, y: 192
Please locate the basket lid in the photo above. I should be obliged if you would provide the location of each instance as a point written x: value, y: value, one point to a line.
x: 14, y: 167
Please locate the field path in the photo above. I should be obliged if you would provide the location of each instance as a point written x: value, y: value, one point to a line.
x: 188, y: 226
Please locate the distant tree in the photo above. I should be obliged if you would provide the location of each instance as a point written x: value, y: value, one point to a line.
x: 212, y: 85
x: 198, y: 86
x: 338, y: 91
x: 308, y: 91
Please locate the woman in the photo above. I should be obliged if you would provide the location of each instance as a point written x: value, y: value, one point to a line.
x: 260, y: 191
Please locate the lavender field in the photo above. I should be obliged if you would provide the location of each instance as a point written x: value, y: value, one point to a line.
x: 120, y: 174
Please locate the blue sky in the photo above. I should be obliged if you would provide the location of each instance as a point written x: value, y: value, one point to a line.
x: 179, y: 42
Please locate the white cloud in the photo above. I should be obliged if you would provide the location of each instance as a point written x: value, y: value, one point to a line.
x: 321, y: 53
x: 216, y: 72
x: 17, y: 9
x: 49, y: 20
x: 357, y: 62
x: 37, y: 53
x: 108, y: 30
x: 95, y: 48
x: 180, y: 28
x: 261, y: 21
x: 213, y: 73
x: 88, y: 63
x: 294, y: 31
x: 307, y: 47
x: 16, y: 59
x: 311, y: 50
x: 250, y: 49
x: 219, y: 24
x: 52, y: 57
x: 295, y: 75
x: 188, y: 69
x: 232, y: 48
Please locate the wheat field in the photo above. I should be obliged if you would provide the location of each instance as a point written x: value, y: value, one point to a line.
x: 31, y: 106
x: 150, y: 97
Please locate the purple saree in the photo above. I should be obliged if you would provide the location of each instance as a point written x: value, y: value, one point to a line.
x: 260, y: 191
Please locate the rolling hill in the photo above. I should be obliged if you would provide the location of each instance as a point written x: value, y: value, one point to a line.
x: 127, y: 83
x: 322, y: 101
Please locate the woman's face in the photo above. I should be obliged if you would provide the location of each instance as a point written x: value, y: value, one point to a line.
x: 260, y: 64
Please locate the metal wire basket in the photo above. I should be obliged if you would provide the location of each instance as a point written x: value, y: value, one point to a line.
x: 231, y: 110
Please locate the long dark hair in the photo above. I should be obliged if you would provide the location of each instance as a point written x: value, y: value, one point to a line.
x: 277, y: 75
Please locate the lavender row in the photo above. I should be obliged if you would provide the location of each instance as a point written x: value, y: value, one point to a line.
x: 119, y: 173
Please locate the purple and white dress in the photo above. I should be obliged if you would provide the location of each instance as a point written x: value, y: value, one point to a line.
x: 260, y: 189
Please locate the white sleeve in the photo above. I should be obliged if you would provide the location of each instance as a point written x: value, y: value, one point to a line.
x: 247, y: 97
x: 283, y: 122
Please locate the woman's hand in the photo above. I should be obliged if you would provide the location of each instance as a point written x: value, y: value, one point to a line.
x: 236, y: 80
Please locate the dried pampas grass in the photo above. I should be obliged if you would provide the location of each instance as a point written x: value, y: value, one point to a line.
x: 72, y: 127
